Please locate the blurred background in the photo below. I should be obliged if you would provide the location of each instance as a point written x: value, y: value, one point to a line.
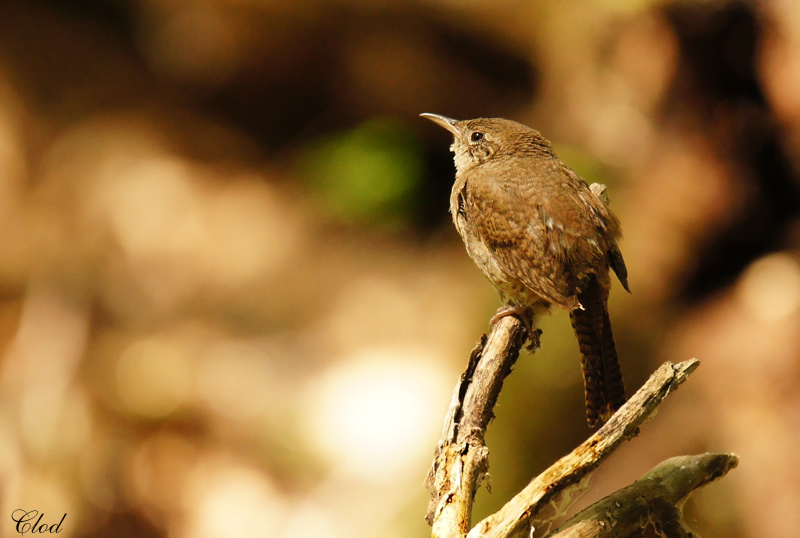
x: 232, y: 302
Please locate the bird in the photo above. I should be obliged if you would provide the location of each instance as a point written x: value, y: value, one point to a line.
x: 544, y: 238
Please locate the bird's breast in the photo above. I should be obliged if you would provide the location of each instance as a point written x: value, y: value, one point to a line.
x: 510, y: 288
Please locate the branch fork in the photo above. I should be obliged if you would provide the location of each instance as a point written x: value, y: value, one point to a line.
x: 461, y: 460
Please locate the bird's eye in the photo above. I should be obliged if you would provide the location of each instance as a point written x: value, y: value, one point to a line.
x: 477, y: 136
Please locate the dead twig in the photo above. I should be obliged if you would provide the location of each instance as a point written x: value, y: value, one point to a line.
x: 573, y: 467
x: 655, y: 500
x: 461, y: 459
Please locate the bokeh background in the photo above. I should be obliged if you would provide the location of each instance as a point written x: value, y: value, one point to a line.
x: 232, y: 302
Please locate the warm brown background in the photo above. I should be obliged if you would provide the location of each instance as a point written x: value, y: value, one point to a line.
x: 233, y: 303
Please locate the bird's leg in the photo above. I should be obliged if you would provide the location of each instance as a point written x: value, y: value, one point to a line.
x: 525, y: 315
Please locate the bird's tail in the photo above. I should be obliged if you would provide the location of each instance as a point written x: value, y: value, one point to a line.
x: 602, y: 377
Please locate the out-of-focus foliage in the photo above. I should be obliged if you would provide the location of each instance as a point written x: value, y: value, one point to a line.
x: 370, y: 175
x: 232, y: 302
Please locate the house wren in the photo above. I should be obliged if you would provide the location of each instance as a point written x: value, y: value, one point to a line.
x: 542, y: 237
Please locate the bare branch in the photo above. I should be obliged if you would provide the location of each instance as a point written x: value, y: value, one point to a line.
x: 461, y: 459
x: 572, y: 468
x: 655, y: 500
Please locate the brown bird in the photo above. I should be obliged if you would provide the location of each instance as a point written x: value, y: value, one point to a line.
x: 542, y: 237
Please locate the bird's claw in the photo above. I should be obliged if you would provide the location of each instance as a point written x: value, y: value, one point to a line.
x: 524, y: 316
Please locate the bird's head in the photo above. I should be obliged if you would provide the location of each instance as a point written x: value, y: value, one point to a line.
x: 482, y: 139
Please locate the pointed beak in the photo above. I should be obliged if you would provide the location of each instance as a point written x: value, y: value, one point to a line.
x: 448, y: 123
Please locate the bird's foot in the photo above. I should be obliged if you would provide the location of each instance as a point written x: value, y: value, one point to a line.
x: 525, y: 315
x: 534, y: 340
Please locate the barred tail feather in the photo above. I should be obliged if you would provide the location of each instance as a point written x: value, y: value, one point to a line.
x: 615, y: 387
x: 604, y: 389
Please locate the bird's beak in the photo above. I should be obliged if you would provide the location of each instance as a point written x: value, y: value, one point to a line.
x: 448, y: 123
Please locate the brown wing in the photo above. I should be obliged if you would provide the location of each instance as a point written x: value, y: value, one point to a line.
x: 544, y: 226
